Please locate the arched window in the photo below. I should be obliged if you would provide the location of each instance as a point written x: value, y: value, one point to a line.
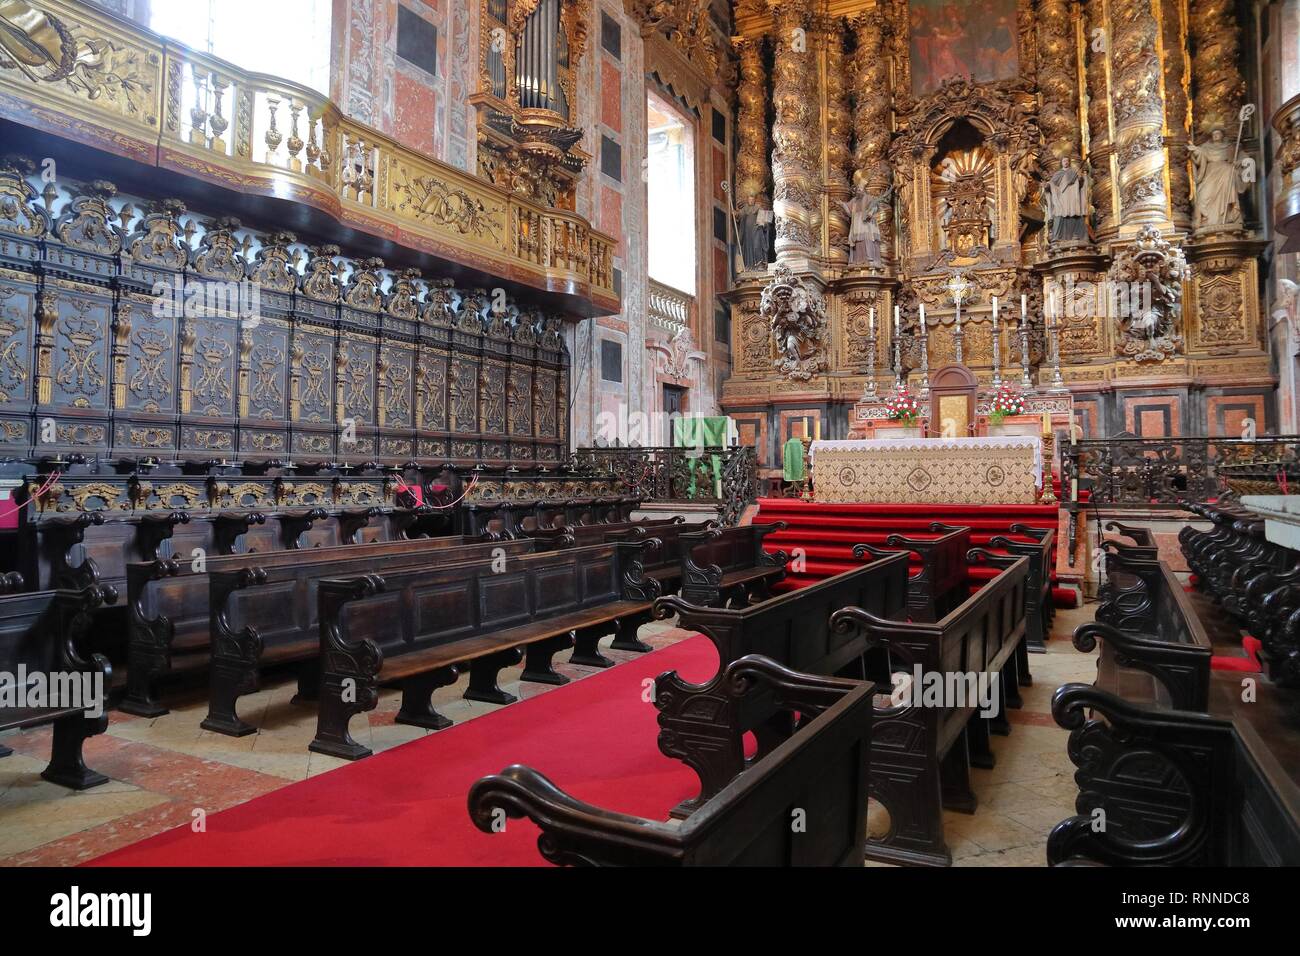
x: 285, y: 38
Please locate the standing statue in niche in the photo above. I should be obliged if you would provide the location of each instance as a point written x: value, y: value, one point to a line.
x: 864, y: 229
x: 755, y: 234
x: 1219, y: 184
x: 1065, y: 204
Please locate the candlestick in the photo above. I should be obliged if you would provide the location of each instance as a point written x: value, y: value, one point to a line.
x: 1026, y: 383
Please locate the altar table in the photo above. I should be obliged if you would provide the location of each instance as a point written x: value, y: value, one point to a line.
x: 979, y: 471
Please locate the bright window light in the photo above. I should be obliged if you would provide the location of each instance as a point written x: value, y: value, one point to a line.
x: 671, y: 194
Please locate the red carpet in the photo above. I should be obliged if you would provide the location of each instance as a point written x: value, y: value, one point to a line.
x: 407, y: 806
x: 828, y: 532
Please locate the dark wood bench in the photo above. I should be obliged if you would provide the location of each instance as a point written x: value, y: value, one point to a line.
x: 1040, y: 609
x: 792, y: 629
x: 39, y: 633
x: 724, y: 566
x: 1182, y: 788
x: 415, y: 629
x: 664, y: 561
x: 922, y: 754
x: 264, y: 615
x: 171, y: 614
x: 822, y: 768
x: 942, y: 583
x: 1154, y: 648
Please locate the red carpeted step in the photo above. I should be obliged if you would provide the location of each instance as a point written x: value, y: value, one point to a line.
x: 825, y: 533
x: 596, y: 739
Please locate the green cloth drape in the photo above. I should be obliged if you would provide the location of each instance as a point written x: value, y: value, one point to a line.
x: 701, y: 432
x: 792, y: 461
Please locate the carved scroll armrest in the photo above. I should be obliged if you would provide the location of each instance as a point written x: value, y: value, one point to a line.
x: 294, y: 524
x: 76, y: 615
x: 985, y: 556
x: 938, y: 527
x: 632, y: 556
x: 154, y: 529
x: 674, y: 604
x: 361, y: 659
x: 792, y: 690
x: 1039, y: 533
x: 573, y: 832
x: 66, y: 531
x: 1198, y: 746
x: 12, y: 583
x: 245, y: 643
x: 861, y: 551
x: 352, y: 520
x: 919, y: 546
x: 158, y: 629
x: 764, y: 558
x: 1141, y: 537
x: 229, y: 525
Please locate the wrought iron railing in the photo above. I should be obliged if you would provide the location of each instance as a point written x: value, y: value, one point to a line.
x: 1172, y: 472
x: 724, y: 477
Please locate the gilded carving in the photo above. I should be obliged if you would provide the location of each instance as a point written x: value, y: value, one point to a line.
x: 1150, y: 333
x: 796, y: 314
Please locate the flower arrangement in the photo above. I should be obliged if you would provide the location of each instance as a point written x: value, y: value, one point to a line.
x: 1006, y: 401
x: 902, y: 407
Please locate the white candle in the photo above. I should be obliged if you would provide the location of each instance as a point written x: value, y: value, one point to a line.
x: 895, y: 320
x: 995, y: 313
x: 873, y: 321
x: 1024, y: 307
x: 922, y: 318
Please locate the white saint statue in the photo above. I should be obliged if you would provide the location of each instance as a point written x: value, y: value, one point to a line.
x: 1218, y: 184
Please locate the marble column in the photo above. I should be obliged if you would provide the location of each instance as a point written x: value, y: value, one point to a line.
x: 794, y: 158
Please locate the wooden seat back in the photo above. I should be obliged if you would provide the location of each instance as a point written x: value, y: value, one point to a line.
x: 942, y: 582
x: 822, y: 768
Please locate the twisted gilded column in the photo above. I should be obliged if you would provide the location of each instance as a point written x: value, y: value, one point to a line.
x: 795, y: 160
x: 751, y: 123
x: 1101, y: 147
x: 1173, y: 42
x: 1058, y: 80
x: 1139, y: 113
x: 835, y: 183
x: 1216, y: 66
x: 871, y: 100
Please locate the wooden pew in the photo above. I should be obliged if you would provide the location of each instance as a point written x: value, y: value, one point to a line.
x: 1219, y: 788
x: 942, y: 583
x: 1155, y: 650
x: 416, y: 628
x: 729, y: 566
x: 171, y: 621
x: 822, y: 769
x: 664, y: 563
x: 265, y: 614
x: 922, y: 754
x: 792, y: 629
x: 39, y: 632
x: 1040, y: 609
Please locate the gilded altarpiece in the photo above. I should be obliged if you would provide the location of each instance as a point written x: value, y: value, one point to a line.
x: 970, y: 187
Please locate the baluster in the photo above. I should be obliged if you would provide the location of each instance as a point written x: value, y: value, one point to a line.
x: 198, y: 114
x: 313, y: 150
x: 295, y: 143
x: 218, y: 123
x: 273, y: 135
